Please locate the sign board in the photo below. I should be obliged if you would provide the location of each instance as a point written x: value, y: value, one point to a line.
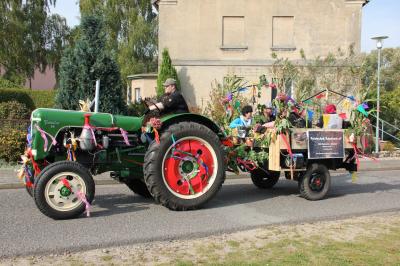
x: 324, y: 144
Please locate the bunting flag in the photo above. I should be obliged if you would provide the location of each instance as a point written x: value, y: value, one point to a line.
x: 365, y: 105
x: 343, y: 116
x: 320, y: 96
x: 310, y: 114
x: 347, y: 104
x: 351, y: 98
x: 244, y: 89
x: 361, y: 109
x: 309, y: 101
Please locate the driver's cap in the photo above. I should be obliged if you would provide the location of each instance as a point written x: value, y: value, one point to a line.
x: 169, y: 81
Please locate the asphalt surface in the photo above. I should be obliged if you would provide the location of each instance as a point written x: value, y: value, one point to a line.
x: 119, y: 217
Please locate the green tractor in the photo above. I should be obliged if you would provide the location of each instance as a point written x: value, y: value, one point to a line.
x: 180, y: 162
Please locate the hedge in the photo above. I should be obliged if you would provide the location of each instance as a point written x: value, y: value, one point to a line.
x: 31, y: 98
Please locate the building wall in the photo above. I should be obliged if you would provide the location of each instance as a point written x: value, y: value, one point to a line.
x: 209, y: 38
x: 147, y: 88
x: 40, y: 81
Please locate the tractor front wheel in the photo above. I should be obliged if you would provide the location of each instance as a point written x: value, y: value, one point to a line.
x: 64, y: 190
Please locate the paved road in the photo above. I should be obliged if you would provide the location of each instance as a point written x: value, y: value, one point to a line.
x: 120, y: 218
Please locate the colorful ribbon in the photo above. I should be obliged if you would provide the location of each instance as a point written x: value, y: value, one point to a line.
x: 83, y: 198
x: 125, y: 136
x: 44, y: 137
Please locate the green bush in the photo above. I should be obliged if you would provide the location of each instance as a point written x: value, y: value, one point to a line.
x: 20, y: 95
x: 389, y: 146
x: 5, y: 84
x: 31, y: 98
x: 42, y: 98
x: 13, y: 110
x: 12, y: 144
x: 13, y: 133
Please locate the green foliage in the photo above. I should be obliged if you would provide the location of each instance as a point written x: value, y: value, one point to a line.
x: 6, y: 84
x: 167, y: 70
x: 28, y: 33
x: 12, y: 143
x: 86, y: 62
x: 136, y: 109
x: 32, y: 99
x: 13, y: 110
x: 19, y: 95
x: 389, y: 146
x: 131, y: 32
x: 12, y: 130
x: 215, y: 110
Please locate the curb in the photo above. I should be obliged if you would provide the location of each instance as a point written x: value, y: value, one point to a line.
x: 228, y: 176
x: 21, y: 185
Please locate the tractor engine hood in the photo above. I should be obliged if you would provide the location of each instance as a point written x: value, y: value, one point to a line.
x: 52, y: 121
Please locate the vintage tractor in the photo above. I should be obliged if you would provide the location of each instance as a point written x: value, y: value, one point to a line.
x: 180, y: 164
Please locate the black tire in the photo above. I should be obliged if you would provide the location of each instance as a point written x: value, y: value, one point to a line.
x: 138, y: 187
x: 29, y: 190
x: 263, y: 178
x: 315, y: 183
x: 156, y: 154
x: 50, y: 172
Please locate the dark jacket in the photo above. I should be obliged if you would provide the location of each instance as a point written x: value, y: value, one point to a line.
x: 174, y: 103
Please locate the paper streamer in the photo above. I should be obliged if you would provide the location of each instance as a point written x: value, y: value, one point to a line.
x: 125, y: 136
x: 44, y: 137
x: 83, y: 198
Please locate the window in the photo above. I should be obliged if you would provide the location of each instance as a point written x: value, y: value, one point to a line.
x: 283, y: 33
x: 233, y: 33
x: 137, y: 95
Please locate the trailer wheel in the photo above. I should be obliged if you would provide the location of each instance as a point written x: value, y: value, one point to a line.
x: 315, y: 183
x: 186, y: 169
x: 139, y: 187
x: 57, y: 191
x: 264, y: 178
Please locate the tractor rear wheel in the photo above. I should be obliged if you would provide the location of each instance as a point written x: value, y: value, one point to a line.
x: 186, y: 169
x: 138, y: 187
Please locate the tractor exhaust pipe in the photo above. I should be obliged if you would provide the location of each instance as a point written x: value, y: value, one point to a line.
x: 96, y: 96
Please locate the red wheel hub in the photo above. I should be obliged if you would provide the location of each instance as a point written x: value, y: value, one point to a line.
x: 188, y: 167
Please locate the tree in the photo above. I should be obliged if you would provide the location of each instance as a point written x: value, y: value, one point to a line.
x: 131, y: 32
x: 86, y: 62
x: 167, y: 70
x: 24, y: 32
x: 57, y: 35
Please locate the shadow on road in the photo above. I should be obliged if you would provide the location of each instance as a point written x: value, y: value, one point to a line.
x: 113, y: 204
x: 235, y: 194
x: 342, y: 186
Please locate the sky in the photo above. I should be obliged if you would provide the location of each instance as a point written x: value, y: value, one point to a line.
x: 380, y: 18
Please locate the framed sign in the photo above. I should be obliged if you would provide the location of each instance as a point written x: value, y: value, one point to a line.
x: 325, y: 144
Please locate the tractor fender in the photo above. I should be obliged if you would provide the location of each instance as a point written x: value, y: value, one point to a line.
x: 190, y: 117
